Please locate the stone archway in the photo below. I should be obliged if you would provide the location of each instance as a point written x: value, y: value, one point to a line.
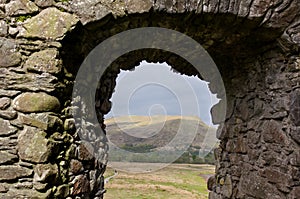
x: 254, y: 43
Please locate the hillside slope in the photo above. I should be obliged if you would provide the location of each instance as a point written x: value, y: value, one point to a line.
x: 142, y: 134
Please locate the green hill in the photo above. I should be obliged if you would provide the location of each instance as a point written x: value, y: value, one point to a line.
x: 142, y: 134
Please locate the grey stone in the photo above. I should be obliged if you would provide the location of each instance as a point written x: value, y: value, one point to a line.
x: 275, y: 176
x: 41, y: 187
x: 6, y: 129
x: 33, y: 146
x: 20, y: 7
x: 13, y: 31
x: 7, y: 143
x: 3, y: 29
x: 4, y: 103
x: 273, y: 133
x: 13, y: 172
x: 90, y: 11
x: 8, y: 114
x: 9, y: 55
x: 227, y: 187
x: 45, y: 173
x: 25, y: 193
x: 27, y: 82
x: 36, y: 102
x: 295, y: 158
x: 44, y: 121
x: 44, y: 3
x: 8, y: 93
x: 3, y: 188
x: 295, y: 107
x: 44, y: 61
x: 7, y: 158
x: 51, y: 23
x: 295, y: 134
x: 295, y: 193
x: 23, y: 185
x: 257, y: 187
x: 136, y: 6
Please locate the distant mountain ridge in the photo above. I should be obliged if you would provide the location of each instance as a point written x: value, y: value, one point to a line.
x: 146, y: 133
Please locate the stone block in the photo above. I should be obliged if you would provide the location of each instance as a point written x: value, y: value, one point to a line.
x: 20, y: 7
x: 44, y: 62
x: 9, y: 55
x: 7, y: 158
x: 36, y: 102
x: 51, y: 23
x: 33, y: 146
x: 45, y: 173
x: 13, y: 172
x: 6, y: 129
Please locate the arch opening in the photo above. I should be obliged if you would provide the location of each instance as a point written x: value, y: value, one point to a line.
x: 233, y: 55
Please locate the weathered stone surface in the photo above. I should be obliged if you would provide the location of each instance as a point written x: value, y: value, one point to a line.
x: 295, y: 193
x: 44, y: 62
x: 6, y: 129
x: 257, y: 187
x: 275, y: 176
x: 9, y: 55
x: 85, y: 151
x: 238, y: 145
x: 7, y: 93
x: 45, y: 173
x: 295, y: 134
x: 36, y: 102
x: 13, y: 172
x: 295, y: 158
x: 81, y: 185
x: 272, y: 132
x: 20, y: 7
x: 27, y: 82
x: 295, y: 107
x: 8, y: 114
x: 51, y: 23
x: 44, y: 3
x: 41, y: 187
x: 7, y: 143
x: 75, y: 166
x: 227, y: 187
x: 4, y: 103
x: 33, y: 146
x: 95, y: 11
x: 25, y: 193
x: 3, y: 188
x: 3, y: 29
x: 136, y: 6
x: 44, y: 121
x: 7, y: 158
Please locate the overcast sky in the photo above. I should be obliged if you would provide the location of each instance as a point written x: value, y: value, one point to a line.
x: 154, y: 89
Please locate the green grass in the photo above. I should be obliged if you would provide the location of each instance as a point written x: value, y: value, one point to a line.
x: 173, y: 182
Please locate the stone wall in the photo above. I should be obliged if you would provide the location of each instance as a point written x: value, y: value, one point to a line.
x: 43, y: 43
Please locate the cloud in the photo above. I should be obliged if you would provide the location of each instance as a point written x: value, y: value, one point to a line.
x: 155, y: 89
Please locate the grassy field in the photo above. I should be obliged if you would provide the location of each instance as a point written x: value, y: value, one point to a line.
x: 177, y: 181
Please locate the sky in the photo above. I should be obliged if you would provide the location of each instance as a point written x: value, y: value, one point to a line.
x: 154, y: 89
